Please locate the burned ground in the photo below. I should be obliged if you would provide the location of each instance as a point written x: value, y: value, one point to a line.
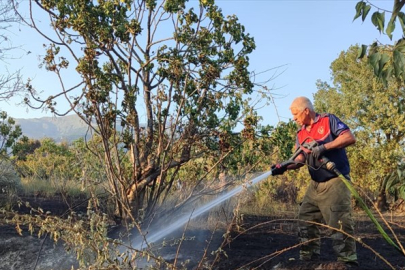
x: 271, y: 243
x: 255, y: 242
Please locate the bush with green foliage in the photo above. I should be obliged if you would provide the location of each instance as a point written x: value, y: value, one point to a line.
x: 10, y: 182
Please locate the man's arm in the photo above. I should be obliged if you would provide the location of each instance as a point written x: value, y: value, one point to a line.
x: 299, y: 162
x: 279, y: 168
x: 346, y: 138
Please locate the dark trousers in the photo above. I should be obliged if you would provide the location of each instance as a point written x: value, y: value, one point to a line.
x: 331, y: 202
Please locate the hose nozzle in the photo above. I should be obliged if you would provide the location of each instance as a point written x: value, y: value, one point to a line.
x: 330, y: 165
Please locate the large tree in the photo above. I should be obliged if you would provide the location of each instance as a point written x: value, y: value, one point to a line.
x: 374, y: 110
x: 157, y: 80
x: 10, y: 81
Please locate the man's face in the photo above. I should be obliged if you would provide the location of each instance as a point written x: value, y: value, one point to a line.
x: 300, y: 116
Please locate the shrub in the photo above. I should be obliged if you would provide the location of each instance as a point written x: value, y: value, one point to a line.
x: 10, y: 182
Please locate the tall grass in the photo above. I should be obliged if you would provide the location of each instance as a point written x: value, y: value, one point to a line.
x: 32, y: 186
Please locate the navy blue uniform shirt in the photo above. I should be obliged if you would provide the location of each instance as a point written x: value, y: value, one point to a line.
x: 325, y: 129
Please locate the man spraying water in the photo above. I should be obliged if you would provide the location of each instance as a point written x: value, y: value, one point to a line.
x: 327, y: 197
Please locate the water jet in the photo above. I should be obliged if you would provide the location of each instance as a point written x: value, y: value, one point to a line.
x: 153, y: 237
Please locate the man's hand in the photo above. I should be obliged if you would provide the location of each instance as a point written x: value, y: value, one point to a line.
x: 317, y: 151
x: 278, y: 169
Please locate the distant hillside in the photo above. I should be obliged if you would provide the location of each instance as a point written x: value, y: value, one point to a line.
x: 66, y: 128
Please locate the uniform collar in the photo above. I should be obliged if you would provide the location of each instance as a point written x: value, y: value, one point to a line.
x: 317, y: 116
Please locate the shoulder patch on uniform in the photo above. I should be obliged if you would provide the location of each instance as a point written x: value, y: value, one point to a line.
x: 341, y: 125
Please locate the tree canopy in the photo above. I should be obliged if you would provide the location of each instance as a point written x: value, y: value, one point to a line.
x: 10, y: 81
x: 157, y: 80
x: 389, y: 62
x: 373, y: 110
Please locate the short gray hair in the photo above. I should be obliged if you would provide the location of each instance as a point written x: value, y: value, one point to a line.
x: 301, y: 103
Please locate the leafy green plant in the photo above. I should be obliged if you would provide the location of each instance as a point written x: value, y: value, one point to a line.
x: 389, y: 62
x: 372, y: 111
x: 153, y: 102
x: 10, y: 184
x: 9, y: 133
x: 395, y: 182
x: 397, y: 245
x: 9, y: 180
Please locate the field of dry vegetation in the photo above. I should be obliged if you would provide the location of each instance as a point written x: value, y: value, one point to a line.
x: 252, y: 242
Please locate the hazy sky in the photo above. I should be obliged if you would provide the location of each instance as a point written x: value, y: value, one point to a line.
x: 300, y: 37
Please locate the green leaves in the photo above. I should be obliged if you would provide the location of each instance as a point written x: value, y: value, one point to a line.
x: 378, y: 62
x: 369, y: 213
x: 173, y: 6
x: 9, y: 132
x: 151, y: 4
x: 390, y: 27
x: 399, y: 64
x: 377, y: 58
x: 362, y: 51
x: 378, y: 19
x: 387, y: 62
x: 370, y: 107
x: 396, y: 181
x: 176, y: 66
x: 401, y: 18
x: 362, y: 9
x: 283, y: 138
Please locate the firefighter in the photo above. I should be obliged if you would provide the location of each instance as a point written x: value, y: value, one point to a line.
x: 327, y: 197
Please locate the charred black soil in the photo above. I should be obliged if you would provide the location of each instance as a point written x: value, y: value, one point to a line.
x: 256, y: 242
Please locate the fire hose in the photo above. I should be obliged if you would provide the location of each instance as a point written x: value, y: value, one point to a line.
x: 329, y: 165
